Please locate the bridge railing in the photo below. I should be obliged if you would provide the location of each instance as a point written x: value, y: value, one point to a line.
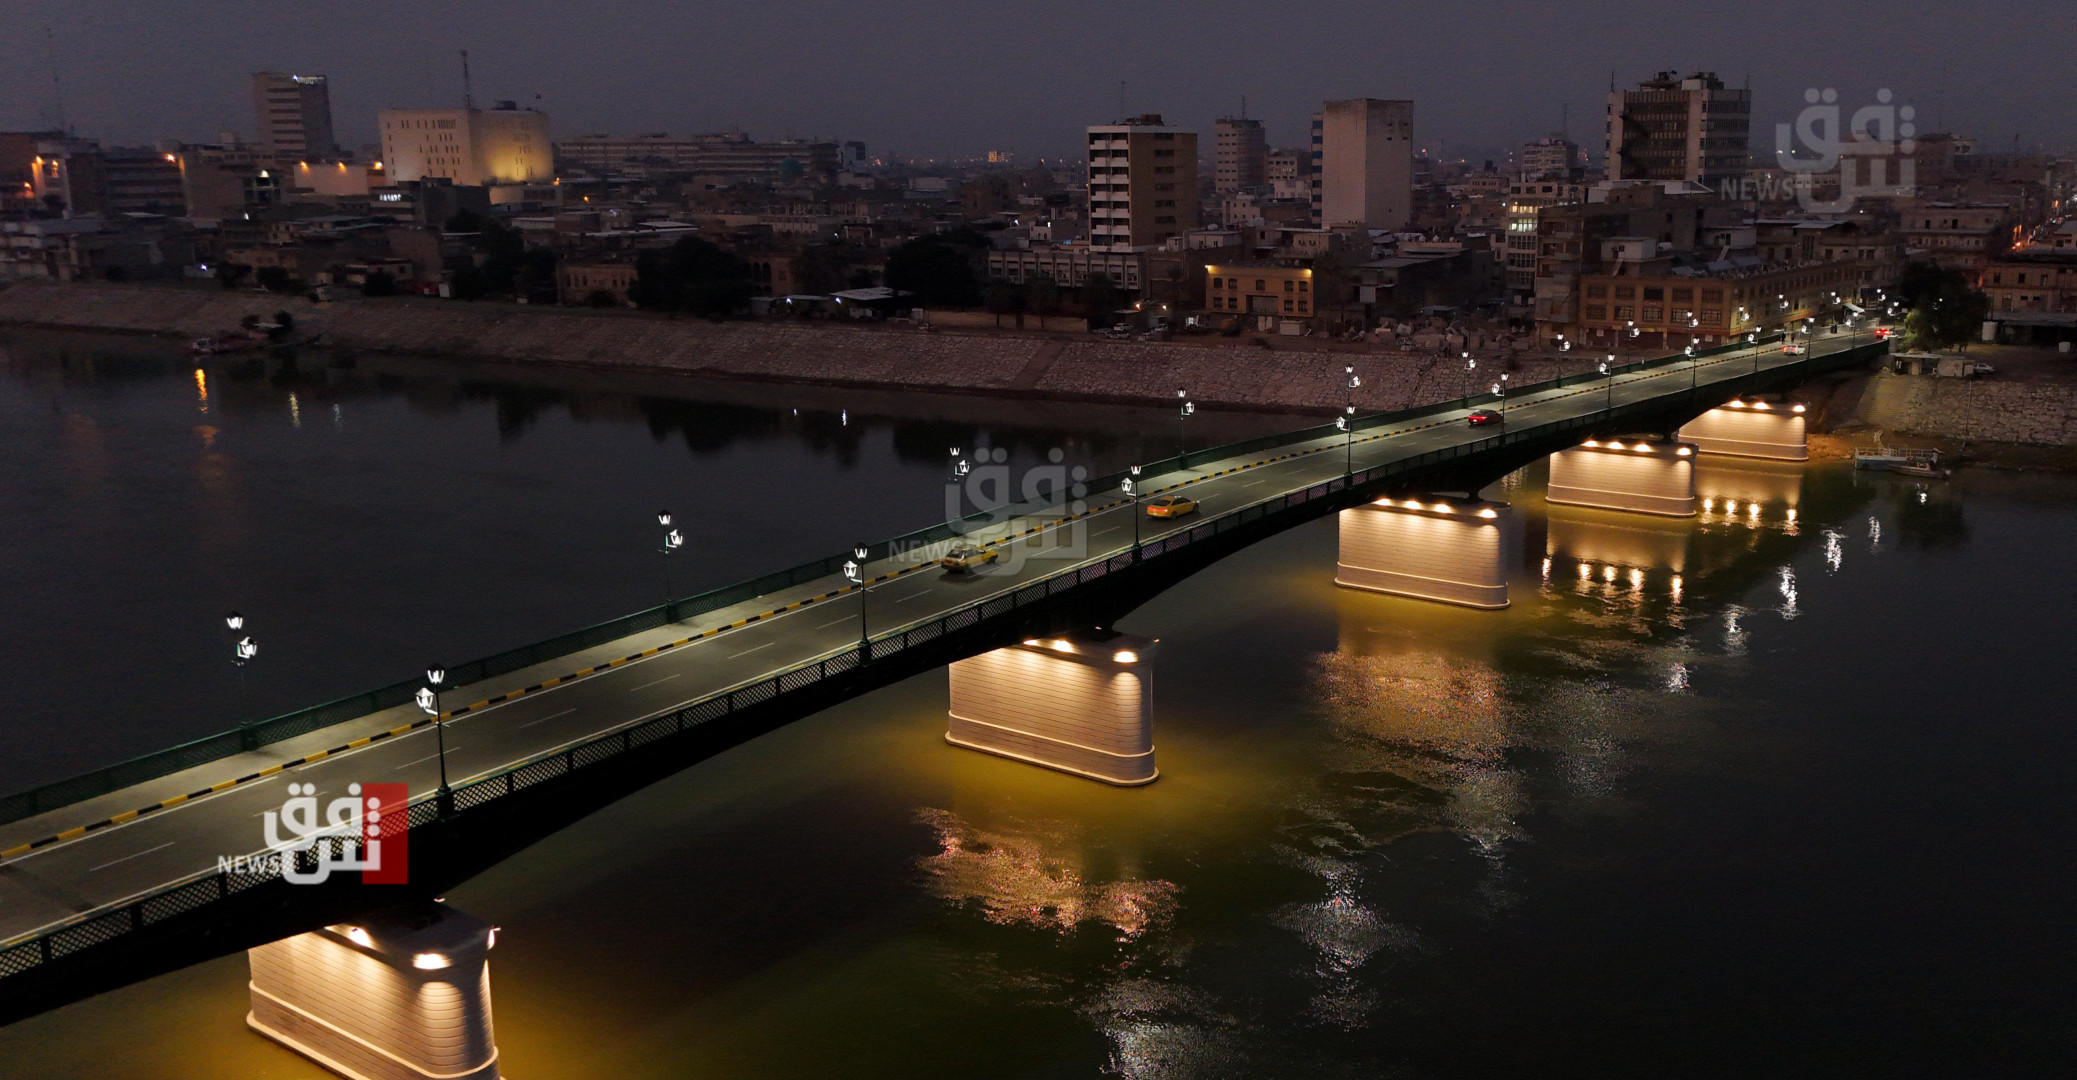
x: 104, y: 926
x: 29, y: 803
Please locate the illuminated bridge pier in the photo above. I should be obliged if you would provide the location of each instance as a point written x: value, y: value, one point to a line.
x: 1081, y: 703
x: 1638, y: 475
x: 401, y: 996
x: 1755, y: 429
x: 1429, y: 548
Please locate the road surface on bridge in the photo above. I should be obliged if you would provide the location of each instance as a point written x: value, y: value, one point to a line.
x: 59, y: 881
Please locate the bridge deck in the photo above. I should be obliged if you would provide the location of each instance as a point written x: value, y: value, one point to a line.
x: 62, y: 880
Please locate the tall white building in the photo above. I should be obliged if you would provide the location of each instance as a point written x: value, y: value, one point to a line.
x: 1366, y: 163
x: 294, y: 113
x: 471, y: 147
x: 1553, y: 155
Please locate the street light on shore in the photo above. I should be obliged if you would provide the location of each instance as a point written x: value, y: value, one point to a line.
x: 242, y: 650
x: 854, y: 572
x: 429, y: 701
x: 1608, y: 369
x: 672, y: 541
x: 1130, y: 486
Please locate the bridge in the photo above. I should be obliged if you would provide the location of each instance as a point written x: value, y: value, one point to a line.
x: 121, y: 874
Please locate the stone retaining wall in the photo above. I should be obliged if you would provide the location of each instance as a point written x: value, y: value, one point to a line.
x: 899, y: 357
x: 1978, y: 410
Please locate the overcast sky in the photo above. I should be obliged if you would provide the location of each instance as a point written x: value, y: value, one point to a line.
x: 929, y: 78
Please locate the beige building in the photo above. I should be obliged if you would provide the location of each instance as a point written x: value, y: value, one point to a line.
x: 1674, y: 128
x: 2038, y: 279
x: 471, y: 147
x: 575, y: 282
x: 1240, y: 155
x: 294, y: 113
x: 1142, y: 183
x: 1252, y: 289
x: 1366, y: 163
x: 1960, y: 235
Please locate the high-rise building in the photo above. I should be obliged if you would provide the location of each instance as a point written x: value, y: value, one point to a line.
x: 471, y: 147
x: 294, y: 114
x: 1240, y: 155
x: 1674, y: 128
x: 1142, y: 183
x: 1365, y: 163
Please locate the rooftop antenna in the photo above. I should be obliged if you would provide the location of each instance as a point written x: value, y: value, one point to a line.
x: 57, y: 83
x: 468, y: 91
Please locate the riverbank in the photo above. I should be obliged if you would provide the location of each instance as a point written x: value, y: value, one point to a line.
x: 1056, y: 365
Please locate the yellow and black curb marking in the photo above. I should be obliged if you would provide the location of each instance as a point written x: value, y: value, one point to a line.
x: 164, y: 804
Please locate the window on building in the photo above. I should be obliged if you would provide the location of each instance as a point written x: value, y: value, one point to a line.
x: 1712, y: 317
x: 1261, y: 285
x: 1597, y: 292
x: 1597, y: 311
x: 1654, y: 293
x: 1303, y: 286
x: 1625, y: 311
x: 1290, y: 286
x: 1626, y: 292
x: 1289, y: 306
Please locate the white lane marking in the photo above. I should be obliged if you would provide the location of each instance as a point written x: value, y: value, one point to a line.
x: 423, y: 760
x: 276, y: 809
x: 745, y: 652
x: 127, y: 858
x: 912, y: 596
x: 832, y: 622
x: 549, y: 717
x: 1264, y: 480
x: 653, y: 682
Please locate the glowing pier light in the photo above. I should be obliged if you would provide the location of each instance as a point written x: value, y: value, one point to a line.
x: 1755, y: 429
x: 1080, y: 703
x: 431, y: 961
x: 1619, y: 476
x: 1454, y: 553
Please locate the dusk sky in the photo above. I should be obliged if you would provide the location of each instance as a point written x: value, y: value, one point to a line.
x: 935, y: 79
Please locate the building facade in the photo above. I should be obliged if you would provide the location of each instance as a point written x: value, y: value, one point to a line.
x: 1674, y: 128
x: 471, y: 147
x: 1240, y: 155
x: 1366, y: 163
x: 1962, y: 236
x: 731, y: 154
x: 1259, y: 289
x: 294, y: 114
x: 1142, y: 183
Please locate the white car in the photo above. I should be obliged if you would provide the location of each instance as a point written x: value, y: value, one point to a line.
x: 1794, y: 348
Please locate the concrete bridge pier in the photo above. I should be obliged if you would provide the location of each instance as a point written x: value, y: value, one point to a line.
x: 1639, y: 475
x: 1455, y: 551
x: 1756, y: 429
x: 1081, y: 703
x: 399, y: 995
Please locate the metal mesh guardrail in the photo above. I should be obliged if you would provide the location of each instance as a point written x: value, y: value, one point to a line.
x: 201, y: 751
x: 100, y: 927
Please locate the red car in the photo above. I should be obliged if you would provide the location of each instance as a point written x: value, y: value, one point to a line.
x: 1482, y: 417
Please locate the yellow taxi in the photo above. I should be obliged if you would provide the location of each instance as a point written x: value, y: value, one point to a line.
x: 1170, y: 506
x: 964, y: 557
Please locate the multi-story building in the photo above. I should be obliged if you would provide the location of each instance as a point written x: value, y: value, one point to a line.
x: 731, y: 154
x: 79, y: 177
x: 1366, y: 163
x: 1671, y: 304
x: 1553, y: 155
x: 1259, y: 289
x: 1526, y: 198
x: 1674, y: 128
x: 472, y: 147
x: 2032, y: 279
x: 1961, y: 236
x: 1069, y: 265
x: 1142, y: 183
x: 294, y: 113
x: 1240, y: 155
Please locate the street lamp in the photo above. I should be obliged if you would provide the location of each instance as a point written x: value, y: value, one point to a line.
x: 672, y: 541
x: 1346, y: 423
x: 242, y: 650
x: 429, y: 701
x: 1184, y: 411
x: 1470, y: 372
x: 1130, y: 486
x: 1608, y: 369
x: 854, y: 571
x: 1694, y: 368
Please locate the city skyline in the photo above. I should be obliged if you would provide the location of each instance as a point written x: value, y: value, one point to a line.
x: 999, y: 85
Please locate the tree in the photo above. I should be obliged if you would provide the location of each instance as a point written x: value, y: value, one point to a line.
x: 379, y: 283
x: 1043, y: 294
x: 1002, y: 298
x: 249, y: 322
x: 692, y: 275
x: 274, y: 279
x: 823, y: 268
x: 1945, y: 307
x: 230, y: 274
x: 939, y: 269
x: 1100, y: 297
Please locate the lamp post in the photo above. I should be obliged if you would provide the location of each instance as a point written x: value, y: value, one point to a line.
x: 1184, y: 409
x: 1470, y: 372
x: 429, y: 700
x: 854, y: 571
x: 1130, y: 486
x: 242, y: 650
x: 1608, y: 369
x: 1694, y: 369
x: 1500, y: 392
x: 1347, y: 423
x: 672, y: 541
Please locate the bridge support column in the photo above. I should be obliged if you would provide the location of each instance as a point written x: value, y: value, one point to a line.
x: 1637, y: 475
x: 1081, y: 703
x: 397, y: 996
x: 1430, y: 549
x: 1756, y: 429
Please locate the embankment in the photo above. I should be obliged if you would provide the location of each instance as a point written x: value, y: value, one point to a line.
x: 1070, y: 366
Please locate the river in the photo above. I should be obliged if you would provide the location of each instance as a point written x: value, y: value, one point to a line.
x: 1781, y: 790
